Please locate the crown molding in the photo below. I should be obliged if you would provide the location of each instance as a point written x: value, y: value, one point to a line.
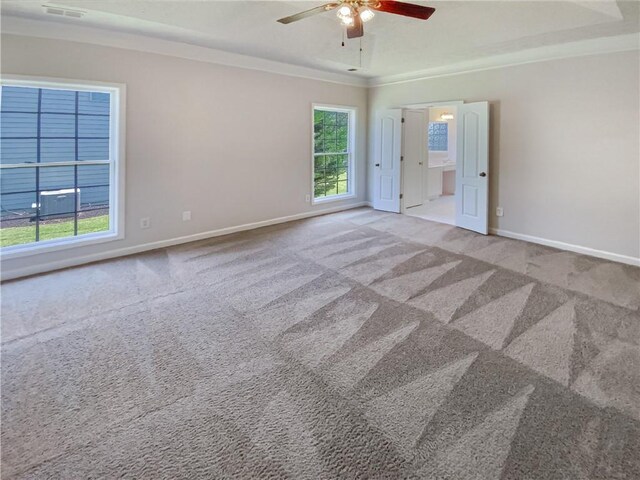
x: 594, y: 46
x: 99, y: 36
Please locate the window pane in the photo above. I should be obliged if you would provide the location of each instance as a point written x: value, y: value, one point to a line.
x: 19, y: 99
x: 19, y: 180
x: 58, y: 101
x: 94, y: 103
x: 16, y: 230
x: 93, y: 221
x: 54, y: 227
x: 93, y: 175
x: 50, y: 202
x: 93, y: 126
x: 318, y: 130
x: 331, y: 136
x: 19, y: 150
x: 343, y: 166
x: 58, y: 150
x: 57, y: 125
x: 93, y: 182
x: 19, y: 124
x: 17, y: 220
x: 342, y: 137
x: 56, y: 178
x: 438, y: 136
x: 93, y: 149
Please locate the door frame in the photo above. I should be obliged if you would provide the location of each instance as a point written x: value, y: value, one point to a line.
x: 418, y: 106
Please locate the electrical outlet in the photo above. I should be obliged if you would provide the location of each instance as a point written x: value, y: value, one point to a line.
x: 186, y: 215
x: 145, y: 222
x: 307, y: 198
x: 499, y: 212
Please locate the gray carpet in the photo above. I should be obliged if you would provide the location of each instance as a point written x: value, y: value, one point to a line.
x: 354, y: 345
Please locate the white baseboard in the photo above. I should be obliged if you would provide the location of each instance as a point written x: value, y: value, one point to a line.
x: 121, y: 252
x: 616, y: 257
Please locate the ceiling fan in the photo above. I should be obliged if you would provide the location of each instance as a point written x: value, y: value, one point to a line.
x: 353, y: 13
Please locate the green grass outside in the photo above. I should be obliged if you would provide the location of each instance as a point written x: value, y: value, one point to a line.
x: 338, y: 188
x: 48, y: 231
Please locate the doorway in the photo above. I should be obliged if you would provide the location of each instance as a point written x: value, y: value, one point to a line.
x: 432, y: 160
x: 429, y: 163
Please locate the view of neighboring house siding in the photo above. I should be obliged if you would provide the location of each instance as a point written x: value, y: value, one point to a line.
x: 53, y: 135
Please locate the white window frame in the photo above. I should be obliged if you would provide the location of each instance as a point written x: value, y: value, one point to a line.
x: 117, y: 128
x: 351, y: 182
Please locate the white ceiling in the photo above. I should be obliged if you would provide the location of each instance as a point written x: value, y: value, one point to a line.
x: 459, y: 31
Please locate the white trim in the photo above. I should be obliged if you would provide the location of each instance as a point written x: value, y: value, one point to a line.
x: 117, y: 149
x: 615, y: 257
x: 139, y: 42
x: 333, y: 198
x: 418, y: 106
x: 351, y: 176
x: 53, y: 164
x: 101, y: 36
x: 95, y: 257
x: 592, y: 46
x: 57, y: 245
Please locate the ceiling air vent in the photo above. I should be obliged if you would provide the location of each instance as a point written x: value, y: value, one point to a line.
x: 63, y: 11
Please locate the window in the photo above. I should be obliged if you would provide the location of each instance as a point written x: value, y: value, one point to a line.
x: 438, y: 136
x: 59, y: 165
x: 333, y: 140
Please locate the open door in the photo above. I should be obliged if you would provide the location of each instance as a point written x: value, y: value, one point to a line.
x: 386, y: 171
x: 472, y: 171
x: 414, y: 156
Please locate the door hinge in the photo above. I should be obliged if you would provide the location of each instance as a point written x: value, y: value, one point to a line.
x: 402, y: 159
x: 402, y: 121
x: 400, y: 196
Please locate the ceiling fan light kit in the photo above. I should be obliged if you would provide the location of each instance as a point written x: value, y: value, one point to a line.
x: 353, y: 13
x: 366, y: 13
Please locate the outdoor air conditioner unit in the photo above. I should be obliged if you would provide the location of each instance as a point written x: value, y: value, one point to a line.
x: 59, y: 202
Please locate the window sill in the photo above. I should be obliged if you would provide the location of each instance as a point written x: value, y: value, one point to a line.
x: 333, y: 198
x: 18, y: 251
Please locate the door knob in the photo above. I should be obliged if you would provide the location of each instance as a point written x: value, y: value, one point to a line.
x: 482, y: 174
x: 377, y: 164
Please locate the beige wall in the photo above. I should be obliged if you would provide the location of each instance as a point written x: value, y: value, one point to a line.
x: 231, y: 145
x: 561, y: 169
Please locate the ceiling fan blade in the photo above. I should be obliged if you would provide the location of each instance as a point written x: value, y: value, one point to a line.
x: 406, y: 9
x: 356, y: 29
x: 309, y: 13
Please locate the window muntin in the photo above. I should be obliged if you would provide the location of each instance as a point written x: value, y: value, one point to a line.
x: 438, y: 136
x: 333, y: 131
x: 57, y: 159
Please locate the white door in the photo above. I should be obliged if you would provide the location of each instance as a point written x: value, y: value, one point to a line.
x: 386, y: 170
x: 472, y: 167
x: 414, y: 148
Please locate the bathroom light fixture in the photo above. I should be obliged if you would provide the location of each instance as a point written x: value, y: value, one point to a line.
x: 446, y: 116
